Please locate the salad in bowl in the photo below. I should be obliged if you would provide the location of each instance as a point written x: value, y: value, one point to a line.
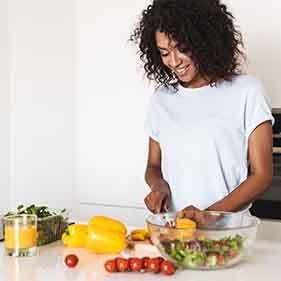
x: 223, y: 240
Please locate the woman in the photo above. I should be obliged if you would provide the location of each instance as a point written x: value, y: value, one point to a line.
x: 207, y: 122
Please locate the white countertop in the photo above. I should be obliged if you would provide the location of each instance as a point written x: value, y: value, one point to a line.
x: 263, y: 265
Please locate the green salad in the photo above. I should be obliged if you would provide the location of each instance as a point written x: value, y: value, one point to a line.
x: 39, y: 211
x: 203, y: 252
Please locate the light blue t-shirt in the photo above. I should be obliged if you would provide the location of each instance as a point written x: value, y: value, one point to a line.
x: 203, y: 134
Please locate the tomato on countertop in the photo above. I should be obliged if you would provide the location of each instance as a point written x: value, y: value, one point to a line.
x: 144, y: 264
x: 161, y: 259
x: 71, y: 260
x: 122, y: 264
x: 153, y: 265
x: 136, y: 264
x: 110, y: 266
x: 167, y: 268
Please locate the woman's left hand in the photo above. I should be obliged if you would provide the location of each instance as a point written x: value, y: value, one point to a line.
x: 192, y: 213
x: 202, y: 218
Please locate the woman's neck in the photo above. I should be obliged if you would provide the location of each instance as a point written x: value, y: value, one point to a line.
x: 197, y: 82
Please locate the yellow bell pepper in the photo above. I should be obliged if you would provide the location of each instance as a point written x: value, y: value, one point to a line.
x: 104, y: 241
x: 106, y: 235
x: 75, y: 235
x: 107, y: 223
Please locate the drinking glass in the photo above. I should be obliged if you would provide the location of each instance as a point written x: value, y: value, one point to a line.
x: 20, y: 235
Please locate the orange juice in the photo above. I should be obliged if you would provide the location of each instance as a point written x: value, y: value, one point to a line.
x: 20, y: 236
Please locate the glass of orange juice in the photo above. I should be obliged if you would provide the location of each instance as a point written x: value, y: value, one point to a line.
x: 20, y: 235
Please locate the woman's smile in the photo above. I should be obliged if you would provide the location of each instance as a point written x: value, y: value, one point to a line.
x: 180, y: 63
x: 181, y: 71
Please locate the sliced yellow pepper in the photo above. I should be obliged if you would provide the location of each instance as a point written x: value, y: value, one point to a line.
x: 139, y: 234
x: 185, y: 223
x: 75, y: 235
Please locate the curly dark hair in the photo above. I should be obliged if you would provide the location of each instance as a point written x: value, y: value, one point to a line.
x: 203, y: 28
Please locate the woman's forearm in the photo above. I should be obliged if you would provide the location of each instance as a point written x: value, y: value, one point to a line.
x: 244, y: 194
x: 154, y: 178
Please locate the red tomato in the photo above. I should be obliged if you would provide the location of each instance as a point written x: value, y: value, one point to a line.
x: 110, y: 266
x: 161, y: 259
x: 221, y: 260
x: 167, y: 268
x: 153, y: 265
x: 135, y: 264
x: 145, y: 262
x: 122, y: 264
x: 232, y: 253
x: 71, y: 260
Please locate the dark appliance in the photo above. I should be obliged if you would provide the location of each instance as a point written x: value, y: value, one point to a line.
x: 269, y: 204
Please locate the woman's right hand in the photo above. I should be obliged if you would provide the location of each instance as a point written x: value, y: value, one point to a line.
x: 159, y: 199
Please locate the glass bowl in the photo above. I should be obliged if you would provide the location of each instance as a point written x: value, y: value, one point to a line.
x: 221, y: 240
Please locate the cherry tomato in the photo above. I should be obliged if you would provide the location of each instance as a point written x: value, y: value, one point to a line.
x: 110, y: 266
x: 232, y: 253
x: 129, y: 260
x: 161, y: 259
x: 167, y: 268
x: 145, y: 262
x: 122, y: 264
x: 153, y: 265
x: 221, y: 260
x: 135, y: 264
x: 71, y: 260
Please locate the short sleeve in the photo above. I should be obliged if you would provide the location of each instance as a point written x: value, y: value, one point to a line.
x: 258, y: 108
x: 151, y: 126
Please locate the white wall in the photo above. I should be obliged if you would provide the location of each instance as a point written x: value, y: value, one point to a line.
x: 260, y: 24
x: 41, y: 45
x: 4, y: 110
x: 110, y: 106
